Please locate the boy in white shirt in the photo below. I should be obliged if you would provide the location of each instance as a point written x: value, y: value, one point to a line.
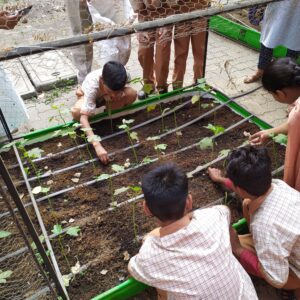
x: 104, y: 87
x: 189, y: 256
x: 272, y: 210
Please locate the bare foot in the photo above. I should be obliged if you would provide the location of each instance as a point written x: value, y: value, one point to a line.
x: 254, y: 77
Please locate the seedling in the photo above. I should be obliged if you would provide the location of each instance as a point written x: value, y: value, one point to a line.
x: 136, y: 190
x: 206, y: 143
x: 195, y: 99
x: 108, y: 177
x: 4, y: 234
x: 215, y: 129
x: 62, y: 112
x: 131, y: 135
x: 4, y: 275
x: 160, y: 148
x: 156, y: 148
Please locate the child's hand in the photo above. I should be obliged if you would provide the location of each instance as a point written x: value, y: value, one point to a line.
x: 101, y: 153
x: 215, y: 175
x: 259, y: 137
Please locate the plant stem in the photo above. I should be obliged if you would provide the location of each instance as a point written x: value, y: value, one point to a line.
x: 133, y: 149
x: 175, y: 123
x: 162, y: 118
x: 134, y: 222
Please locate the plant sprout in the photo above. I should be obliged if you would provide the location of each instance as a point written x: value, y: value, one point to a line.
x: 215, y: 129
x: 160, y: 148
x: 195, y: 99
x: 4, y: 275
x: 4, y: 234
x: 132, y: 135
x: 206, y: 143
x: 136, y: 190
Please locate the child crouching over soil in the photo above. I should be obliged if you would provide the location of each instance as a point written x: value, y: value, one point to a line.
x: 189, y: 256
x: 102, y: 88
x: 272, y: 210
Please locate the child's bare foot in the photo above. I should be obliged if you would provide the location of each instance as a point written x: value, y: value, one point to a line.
x: 254, y: 77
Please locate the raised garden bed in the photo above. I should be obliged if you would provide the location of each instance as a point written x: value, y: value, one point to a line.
x: 74, y: 190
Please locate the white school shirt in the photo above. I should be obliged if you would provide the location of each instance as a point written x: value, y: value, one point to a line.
x: 281, y: 25
x: 275, y: 227
x: 90, y: 87
x: 195, y: 262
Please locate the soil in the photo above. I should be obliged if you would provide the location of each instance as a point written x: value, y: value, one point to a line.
x: 107, y: 234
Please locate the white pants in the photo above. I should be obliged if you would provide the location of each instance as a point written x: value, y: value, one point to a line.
x: 82, y: 16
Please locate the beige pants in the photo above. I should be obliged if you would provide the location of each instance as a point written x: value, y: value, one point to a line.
x: 194, y: 32
x: 293, y: 282
x: 156, y: 65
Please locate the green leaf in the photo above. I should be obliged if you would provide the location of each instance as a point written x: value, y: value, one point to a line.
x: 37, y: 190
x: 4, y: 275
x: 73, y: 231
x: 224, y: 152
x: 94, y: 138
x: 280, y: 139
x: 215, y: 128
x: 147, y: 160
x: 4, y: 234
x: 123, y: 126
x: 134, y: 135
x: 206, y: 143
x: 124, y: 121
x: 57, y: 229
x: 103, y: 177
x: 153, y: 138
x: 151, y: 107
x: 45, y: 190
x: 205, y: 105
x: 195, y: 99
x: 148, y: 88
x: 117, y: 168
x: 121, y: 190
x: 161, y: 147
x: 135, y: 189
x: 34, y: 153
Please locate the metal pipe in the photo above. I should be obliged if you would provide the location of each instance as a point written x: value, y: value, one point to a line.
x: 122, y: 31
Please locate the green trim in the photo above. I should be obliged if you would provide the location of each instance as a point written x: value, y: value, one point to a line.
x: 47, y: 133
x: 123, y: 291
x: 241, y: 226
x: 242, y: 34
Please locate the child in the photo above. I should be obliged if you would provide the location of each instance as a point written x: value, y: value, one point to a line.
x: 282, y: 80
x: 280, y: 26
x: 272, y: 209
x: 189, y: 256
x: 103, y: 87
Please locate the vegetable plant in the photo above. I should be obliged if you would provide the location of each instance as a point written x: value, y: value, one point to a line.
x: 132, y: 135
x: 136, y: 190
x: 4, y: 275
x: 159, y: 148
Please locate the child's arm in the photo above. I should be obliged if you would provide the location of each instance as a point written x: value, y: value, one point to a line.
x: 216, y: 176
x: 261, y: 136
x: 100, y: 151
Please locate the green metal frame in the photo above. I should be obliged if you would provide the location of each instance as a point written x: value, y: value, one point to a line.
x: 242, y: 34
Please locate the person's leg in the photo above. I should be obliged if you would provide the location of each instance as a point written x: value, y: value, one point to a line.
x: 80, y: 21
x: 146, y: 58
x: 181, y: 50
x: 162, y: 57
x: 75, y: 110
x: 265, y: 57
x: 292, y: 54
x: 198, y: 46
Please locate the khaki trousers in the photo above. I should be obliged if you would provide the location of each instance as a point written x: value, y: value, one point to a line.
x: 154, y: 57
x: 293, y: 282
x: 194, y: 32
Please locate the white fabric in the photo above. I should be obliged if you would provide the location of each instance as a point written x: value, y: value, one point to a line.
x: 11, y: 104
x: 101, y: 11
x: 281, y: 25
x: 90, y: 87
x: 195, y: 262
x: 275, y: 228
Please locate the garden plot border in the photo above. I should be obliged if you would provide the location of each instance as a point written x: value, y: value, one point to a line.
x: 133, y: 286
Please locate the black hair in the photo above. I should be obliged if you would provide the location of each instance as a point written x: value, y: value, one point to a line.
x: 114, y: 75
x: 281, y: 73
x: 165, y: 190
x: 250, y: 169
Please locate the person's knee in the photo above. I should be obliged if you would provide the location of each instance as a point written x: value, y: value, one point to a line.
x: 131, y: 95
x: 75, y: 113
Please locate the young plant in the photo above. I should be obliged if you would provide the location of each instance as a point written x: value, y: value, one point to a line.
x: 4, y: 275
x: 215, y: 129
x: 154, y: 139
x: 132, y: 135
x: 62, y: 112
x: 108, y: 177
x: 195, y: 99
x: 160, y: 148
x: 206, y: 143
x: 136, y: 190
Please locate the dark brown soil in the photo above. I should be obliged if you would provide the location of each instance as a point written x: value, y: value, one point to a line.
x: 106, y: 235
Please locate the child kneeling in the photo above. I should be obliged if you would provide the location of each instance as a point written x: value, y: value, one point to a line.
x: 189, y: 256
